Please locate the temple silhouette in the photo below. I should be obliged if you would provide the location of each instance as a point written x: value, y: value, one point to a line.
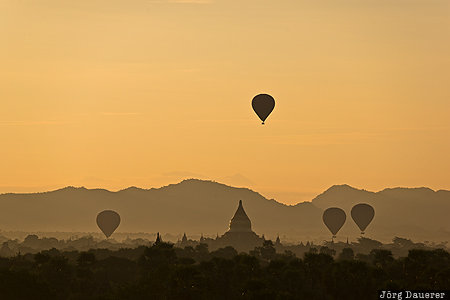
x: 239, y: 235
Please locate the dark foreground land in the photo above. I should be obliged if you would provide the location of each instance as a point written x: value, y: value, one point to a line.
x: 165, y: 272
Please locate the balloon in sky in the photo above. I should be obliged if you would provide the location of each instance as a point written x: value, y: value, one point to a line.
x: 108, y: 221
x: 362, y: 214
x: 263, y: 105
x: 334, y: 218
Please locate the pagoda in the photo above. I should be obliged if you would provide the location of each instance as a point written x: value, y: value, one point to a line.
x: 240, y: 234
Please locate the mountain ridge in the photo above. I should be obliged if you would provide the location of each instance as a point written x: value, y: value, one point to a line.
x: 196, y: 206
x: 339, y: 187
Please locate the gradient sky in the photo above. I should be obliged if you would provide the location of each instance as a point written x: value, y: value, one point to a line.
x: 118, y: 93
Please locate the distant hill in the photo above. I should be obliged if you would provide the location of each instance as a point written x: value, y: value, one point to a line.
x: 196, y: 206
x: 419, y: 212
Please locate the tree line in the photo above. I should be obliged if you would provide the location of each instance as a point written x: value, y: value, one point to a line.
x: 162, y: 271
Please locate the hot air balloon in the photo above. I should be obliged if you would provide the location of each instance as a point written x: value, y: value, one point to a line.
x: 334, y: 218
x: 108, y: 221
x: 263, y: 105
x: 362, y: 214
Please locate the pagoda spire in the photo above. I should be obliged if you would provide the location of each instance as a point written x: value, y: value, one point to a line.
x: 240, y: 221
x: 277, y: 241
x: 158, y: 239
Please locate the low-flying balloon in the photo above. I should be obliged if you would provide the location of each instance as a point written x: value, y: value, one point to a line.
x: 334, y: 218
x: 263, y: 105
x: 362, y: 214
x: 108, y: 221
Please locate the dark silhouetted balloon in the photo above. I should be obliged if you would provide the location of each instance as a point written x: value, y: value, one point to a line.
x: 263, y: 105
x: 108, y: 221
x: 334, y: 218
x: 362, y: 214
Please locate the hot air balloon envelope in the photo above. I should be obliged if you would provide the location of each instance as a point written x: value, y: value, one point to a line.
x: 334, y: 218
x: 263, y: 105
x: 108, y: 221
x: 362, y: 214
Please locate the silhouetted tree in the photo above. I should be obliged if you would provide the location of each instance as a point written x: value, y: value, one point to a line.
x: 328, y: 251
x: 226, y: 253
x: 381, y: 258
x: 347, y: 254
x: 164, y: 272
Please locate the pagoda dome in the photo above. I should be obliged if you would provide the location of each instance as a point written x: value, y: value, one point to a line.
x: 240, y: 221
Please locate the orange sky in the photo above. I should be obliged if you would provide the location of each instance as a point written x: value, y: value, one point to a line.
x: 114, y: 93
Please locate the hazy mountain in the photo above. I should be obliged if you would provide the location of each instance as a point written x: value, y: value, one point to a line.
x: 190, y: 206
x: 415, y: 212
x: 196, y: 206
